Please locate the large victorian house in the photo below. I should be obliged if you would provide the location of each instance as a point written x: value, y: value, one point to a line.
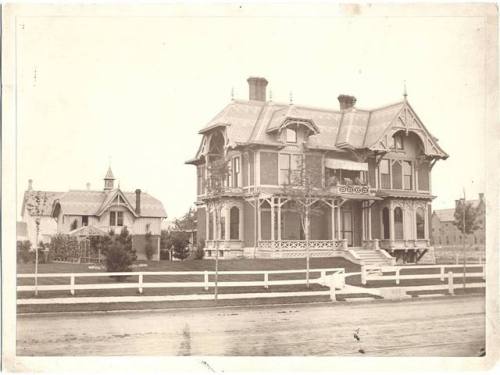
x: 373, y: 191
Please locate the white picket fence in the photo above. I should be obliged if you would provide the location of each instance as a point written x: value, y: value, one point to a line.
x: 376, y: 273
x: 327, y: 277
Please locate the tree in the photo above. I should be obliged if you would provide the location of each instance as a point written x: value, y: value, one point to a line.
x: 148, y: 248
x: 188, y: 222
x: 36, y: 207
x: 119, y: 253
x: 23, y: 251
x: 466, y: 221
x: 218, y: 172
x: 304, y: 189
x: 178, y: 241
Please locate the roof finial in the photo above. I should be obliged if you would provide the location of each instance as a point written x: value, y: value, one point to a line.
x: 291, y: 97
x: 405, y: 93
x: 232, y: 93
x: 270, y: 95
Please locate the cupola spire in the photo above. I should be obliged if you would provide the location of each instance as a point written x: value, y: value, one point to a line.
x: 109, y: 180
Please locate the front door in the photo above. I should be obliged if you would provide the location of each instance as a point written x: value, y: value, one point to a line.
x: 347, y: 225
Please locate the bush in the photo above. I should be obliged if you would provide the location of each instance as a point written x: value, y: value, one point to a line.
x: 23, y: 251
x: 119, y: 253
x: 199, y: 253
x: 148, y: 249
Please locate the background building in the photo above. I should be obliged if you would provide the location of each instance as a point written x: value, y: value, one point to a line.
x: 445, y: 232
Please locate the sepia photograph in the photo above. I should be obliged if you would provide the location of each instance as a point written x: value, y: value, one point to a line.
x: 249, y: 187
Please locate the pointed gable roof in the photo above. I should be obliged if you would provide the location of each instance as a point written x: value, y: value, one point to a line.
x: 95, y: 203
x: 254, y: 122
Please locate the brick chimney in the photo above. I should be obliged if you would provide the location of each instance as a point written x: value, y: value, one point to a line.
x: 346, y: 102
x: 30, y: 184
x: 481, y: 197
x: 138, y: 201
x: 257, y: 88
x: 88, y: 185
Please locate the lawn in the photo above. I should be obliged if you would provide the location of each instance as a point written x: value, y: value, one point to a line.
x: 204, y: 265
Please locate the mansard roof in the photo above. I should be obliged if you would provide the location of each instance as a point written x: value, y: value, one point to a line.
x: 254, y: 122
x: 94, y: 203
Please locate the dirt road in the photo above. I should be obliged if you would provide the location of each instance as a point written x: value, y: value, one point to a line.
x: 422, y: 327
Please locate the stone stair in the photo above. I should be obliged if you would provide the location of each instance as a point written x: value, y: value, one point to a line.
x: 371, y: 256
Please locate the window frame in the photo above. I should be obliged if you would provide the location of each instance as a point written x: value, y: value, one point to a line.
x: 389, y: 174
x: 288, y: 132
x: 112, y: 218
x: 410, y: 175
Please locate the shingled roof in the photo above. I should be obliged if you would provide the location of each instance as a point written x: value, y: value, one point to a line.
x: 253, y: 122
x: 45, y: 209
x: 89, y: 202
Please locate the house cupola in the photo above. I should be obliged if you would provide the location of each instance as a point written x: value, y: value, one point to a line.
x: 109, y: 180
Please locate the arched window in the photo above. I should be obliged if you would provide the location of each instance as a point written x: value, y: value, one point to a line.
x: 398, y: 223
x: 291, y: 135
x: 222, y: 228
x: 420, y: 223
x: 234, y: 223
x: 397, y: 175
x: 385, y: 223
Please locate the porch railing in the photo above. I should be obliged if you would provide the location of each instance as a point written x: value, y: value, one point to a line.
x: 405, y: 244
x: 301, y: 244
x: 223, y: 244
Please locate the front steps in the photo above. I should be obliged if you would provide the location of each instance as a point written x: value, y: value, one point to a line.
x: 371, y: 256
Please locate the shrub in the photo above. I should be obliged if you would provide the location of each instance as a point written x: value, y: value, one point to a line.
x: 119, y: 253
x: 148, y: 248
x: 23, y: 251
x: 199, y: 253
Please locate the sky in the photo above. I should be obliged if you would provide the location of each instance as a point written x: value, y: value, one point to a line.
x: 133, y: 90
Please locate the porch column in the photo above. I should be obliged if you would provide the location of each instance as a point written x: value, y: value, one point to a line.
x: 227, y: 224
x: 426, y: 221
x: 214, y: 226
x: 363, y: 220
x: 338, y: 223
x: 259, y: 229
x: 391, y: 221
x: 279, y: 219
x: 370, y: 222
x: 207, y: 223
x: 332, y: 207
x: 272, y: 219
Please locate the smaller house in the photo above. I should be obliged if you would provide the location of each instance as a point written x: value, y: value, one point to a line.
x: 111, y: 209
x: 21, y: 231
x: 445, y: 232
x: 37, y: 204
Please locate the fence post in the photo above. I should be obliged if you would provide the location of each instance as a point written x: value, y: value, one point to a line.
x: 205, y: 276
x: 363, y: 275
x: 323, y: 276
x: 397, y: 275
x: 333, y: 297
x: 72, y: 284
x: 450, y: 283
x: 442, y: 274
x: 266, y: 280
x: 456, y: 258
x: 140, y: 282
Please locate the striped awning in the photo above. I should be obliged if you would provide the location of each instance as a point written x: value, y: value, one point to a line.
x: 345, y: 164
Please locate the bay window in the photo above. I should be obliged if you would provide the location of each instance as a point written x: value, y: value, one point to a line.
x: 385, y: 174
x: 288, y: 164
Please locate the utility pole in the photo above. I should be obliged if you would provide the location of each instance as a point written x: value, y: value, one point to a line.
x: 37, y: 222
x: 463, y: 240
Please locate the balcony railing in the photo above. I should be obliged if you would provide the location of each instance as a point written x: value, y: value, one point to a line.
x: 301, y: 244
x: 350, y: 189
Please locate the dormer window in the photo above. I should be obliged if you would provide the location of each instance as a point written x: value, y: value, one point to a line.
x: 291, y: 135
x: 398, y: 142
